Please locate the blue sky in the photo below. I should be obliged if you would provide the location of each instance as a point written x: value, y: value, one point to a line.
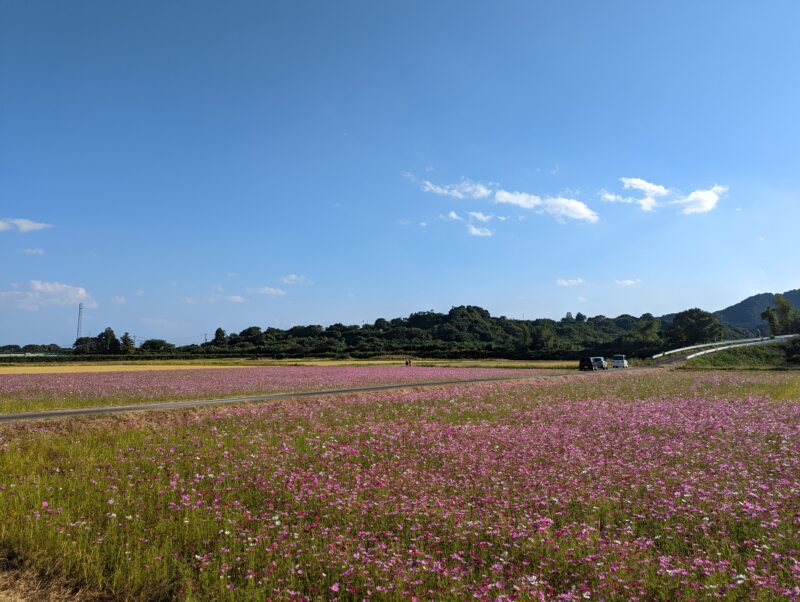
x: 186, y: 165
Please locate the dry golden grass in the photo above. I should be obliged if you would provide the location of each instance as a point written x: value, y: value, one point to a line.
x: 19, y: 585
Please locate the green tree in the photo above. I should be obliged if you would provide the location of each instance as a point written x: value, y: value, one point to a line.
x: 784, y: 318
x: 156, y: 346
x: 107, y: 342
x: 126, y: 344
x: 694, y: 326
x: 220, y: 338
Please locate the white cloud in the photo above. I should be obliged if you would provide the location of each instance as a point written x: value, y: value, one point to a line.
x: 463, y: 190
x: 701, y: 201
x: 628, y: 282
x: 478, y: 216
x: 569, y: 281
x: 22, y: 225
x: 267, y: 290
x: 119, y: 300
x: 34, y: 251
x: 423, y: 224
x: 452, y: 216
x: 570, y: 208
x: 558, y: 207
x: 611, y: 197
x: 519, y: 199
x: 473, y: 231
x: 292, y: 279
x: 234, y: 299
x: 41, y: 294
x: 648, y: 188
x: 648, y: 203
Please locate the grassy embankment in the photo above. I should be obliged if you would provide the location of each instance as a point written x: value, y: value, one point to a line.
x: 762, y: 357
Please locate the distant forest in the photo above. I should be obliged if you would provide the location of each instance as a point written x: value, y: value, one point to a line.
x: 463, y: 332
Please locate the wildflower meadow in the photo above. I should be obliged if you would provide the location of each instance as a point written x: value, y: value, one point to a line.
x: 653, y: 485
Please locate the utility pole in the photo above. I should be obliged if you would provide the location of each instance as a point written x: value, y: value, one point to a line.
x: 80, y: 322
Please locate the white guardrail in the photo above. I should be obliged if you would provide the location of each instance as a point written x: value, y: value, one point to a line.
x: 718, y: 346
x: 777, y: 339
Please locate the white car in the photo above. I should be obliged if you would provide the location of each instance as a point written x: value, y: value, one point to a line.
x: 619, y: 361
x: 600, y: 363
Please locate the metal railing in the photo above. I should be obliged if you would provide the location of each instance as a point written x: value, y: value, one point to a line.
x: 727, y: 344
x: 769, y: 340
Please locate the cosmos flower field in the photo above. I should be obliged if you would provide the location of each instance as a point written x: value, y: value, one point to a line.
x: 24, y: 392
x: 653, y: 485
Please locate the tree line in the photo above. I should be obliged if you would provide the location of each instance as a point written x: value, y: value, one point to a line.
x: 463, y: 332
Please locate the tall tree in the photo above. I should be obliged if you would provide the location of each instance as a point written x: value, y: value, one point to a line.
x: 694, y: 326
x: 107, y: 342
x: 126, y: 344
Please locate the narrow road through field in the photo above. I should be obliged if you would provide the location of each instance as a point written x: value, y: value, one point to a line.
x: 200, y: 403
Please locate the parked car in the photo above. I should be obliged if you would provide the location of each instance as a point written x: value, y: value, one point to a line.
x: 619, y: 361
x: 592, y: 363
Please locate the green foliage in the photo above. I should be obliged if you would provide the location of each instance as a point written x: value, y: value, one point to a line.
x: 126, y: 344
x: 784, y: 318
x: 156, y: 346
x: 694, y: 326
x: 793, y: 352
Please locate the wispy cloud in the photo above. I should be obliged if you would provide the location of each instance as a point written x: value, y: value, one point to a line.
x: 480, y: 217
x: 648, y: 188
x: 656, y: 195
x: 559, y: 207
x: 701, y: 201
x: 119, y: 300
x: 33, y: 251
x: 569, y: 281
x: 562, y: 208
x: 628, y: 282
x: 452, y: 216
x: 518, y: 199
x: 41, y: 294
x: 465, y: 189
x: 22, y: 225
x: 233, y: 299
x: 292, y: 279
x: 267, y: 290
x: 475, y: 231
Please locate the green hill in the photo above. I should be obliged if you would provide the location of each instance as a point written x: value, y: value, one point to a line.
x: 747, y: 313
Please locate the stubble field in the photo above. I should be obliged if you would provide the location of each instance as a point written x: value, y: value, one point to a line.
x: 653, y: 485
